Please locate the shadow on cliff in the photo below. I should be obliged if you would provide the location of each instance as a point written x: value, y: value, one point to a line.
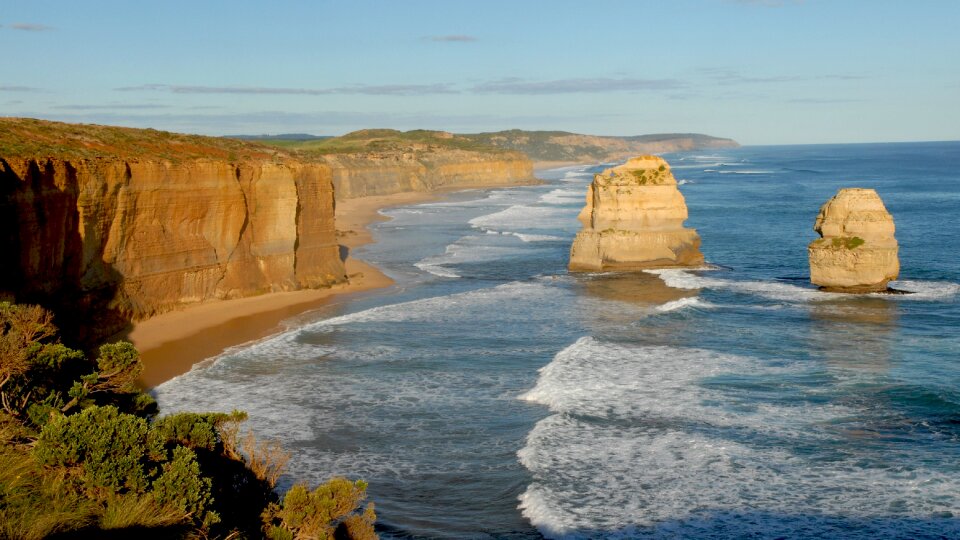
x: 44, y: 254
x: 722, y: 525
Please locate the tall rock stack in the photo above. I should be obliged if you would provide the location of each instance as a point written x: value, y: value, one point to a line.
x: 857, y: 252
x: 633, y: 220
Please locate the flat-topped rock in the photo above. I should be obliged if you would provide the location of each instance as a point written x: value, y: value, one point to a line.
x: 633, y: 220
x: 858, y: 251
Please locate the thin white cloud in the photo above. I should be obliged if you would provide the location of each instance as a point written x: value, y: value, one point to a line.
x: 18, y: 89
x: 515, y: 85
x: 822, y: 101
x: 768, y: 3
x: 733, y: 77
x: 31, y: 27
x: 373, y: 90
x: 452, y: 38
x: 111, y: 107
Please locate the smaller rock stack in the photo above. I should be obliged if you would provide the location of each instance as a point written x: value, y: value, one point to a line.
x: 857, y: 252
x: 633, y: 220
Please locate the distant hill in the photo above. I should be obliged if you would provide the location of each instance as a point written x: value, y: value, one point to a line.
x: 566, y: 146
x: 542, y: 146
x: 367, y: 141
x: 280, y: 137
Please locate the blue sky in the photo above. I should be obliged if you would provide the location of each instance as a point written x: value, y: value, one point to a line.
x: 759, y: 71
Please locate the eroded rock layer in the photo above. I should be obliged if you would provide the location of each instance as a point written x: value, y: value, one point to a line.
x: 858, y: 250
x: 365, y: 174
x: 123, y: 239
x: 633, y: 219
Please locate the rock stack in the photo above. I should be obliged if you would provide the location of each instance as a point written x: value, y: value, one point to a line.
x: 857, y: 252
x: 633, y: 220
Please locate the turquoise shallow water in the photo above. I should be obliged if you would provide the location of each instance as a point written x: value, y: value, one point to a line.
x: 490, y: 394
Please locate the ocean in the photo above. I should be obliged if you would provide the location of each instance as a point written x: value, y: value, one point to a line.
x: 492, y: 394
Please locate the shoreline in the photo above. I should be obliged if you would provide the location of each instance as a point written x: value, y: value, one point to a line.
x: 171, y: 343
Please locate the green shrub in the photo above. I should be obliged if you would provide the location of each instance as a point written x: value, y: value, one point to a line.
x: 182, y: 487
x: 110, y: 448
x: 192, y: 430
x: 79, y: 454
x: 334, y: 506
x: 848, y: 242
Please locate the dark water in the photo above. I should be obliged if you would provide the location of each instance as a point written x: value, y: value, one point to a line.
x: 490, y: 394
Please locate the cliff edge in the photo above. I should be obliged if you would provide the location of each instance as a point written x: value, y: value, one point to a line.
x: 114, y: 225
x: 633, y: 219
x: 858, y: 251
x: 374, y: 162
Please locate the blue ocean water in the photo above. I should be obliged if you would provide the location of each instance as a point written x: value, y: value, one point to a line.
x: 491, y: 394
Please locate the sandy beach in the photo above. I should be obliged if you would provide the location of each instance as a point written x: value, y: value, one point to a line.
x: 171, y: 343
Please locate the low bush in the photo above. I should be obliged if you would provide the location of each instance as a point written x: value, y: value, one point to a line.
x: 82, y: 452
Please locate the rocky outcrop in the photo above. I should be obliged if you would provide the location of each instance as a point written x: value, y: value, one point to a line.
x: 365, y: 174
x: 115, y: 240
x: 857, y: 251
x: 633, y: 219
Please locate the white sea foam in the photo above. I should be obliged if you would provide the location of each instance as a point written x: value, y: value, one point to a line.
x: 592, y: 377
x: 639, y: 446
x: 576, y: 176
x: 696, y: 166
x: 472, y: 249
x: 564, y: 196
x: 746, y: 172
x: 436, y: 269
x: 523, y: 217
x: 692, y: 302
x: 926, y: 290
x: 297, y: 397
x: 685, y: 182
x: 537, y: 237
x: 682, y: 279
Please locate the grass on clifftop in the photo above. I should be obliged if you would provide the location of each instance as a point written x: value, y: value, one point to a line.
x: 27, y: 137
x: 385, y: 140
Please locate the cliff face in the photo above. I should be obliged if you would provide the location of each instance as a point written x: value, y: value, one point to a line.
x: 123, y: 239
x: 857, y: 251
x: 360, y: 175
x: 108, y: 225
x: 633, y: 219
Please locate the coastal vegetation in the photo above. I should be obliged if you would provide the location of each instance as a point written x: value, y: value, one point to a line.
x: 28, y: 137
x: 575, y: 147
x: 537, y: 145
x: 84, y: 453
x: 386, y: 140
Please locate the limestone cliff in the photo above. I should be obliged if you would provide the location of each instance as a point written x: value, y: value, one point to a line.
x: 386, y: 161
x: 109, y: 238
x: 857, y: 251
x: 114, y: 225
x: 633, y: 219
x: 364, y: 174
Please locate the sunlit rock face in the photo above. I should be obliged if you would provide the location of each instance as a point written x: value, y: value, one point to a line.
x: 857, y: 252
x: 119, y: 240
x: 633, y: 220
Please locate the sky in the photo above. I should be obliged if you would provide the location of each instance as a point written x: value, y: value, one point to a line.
x: 757, y: 71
